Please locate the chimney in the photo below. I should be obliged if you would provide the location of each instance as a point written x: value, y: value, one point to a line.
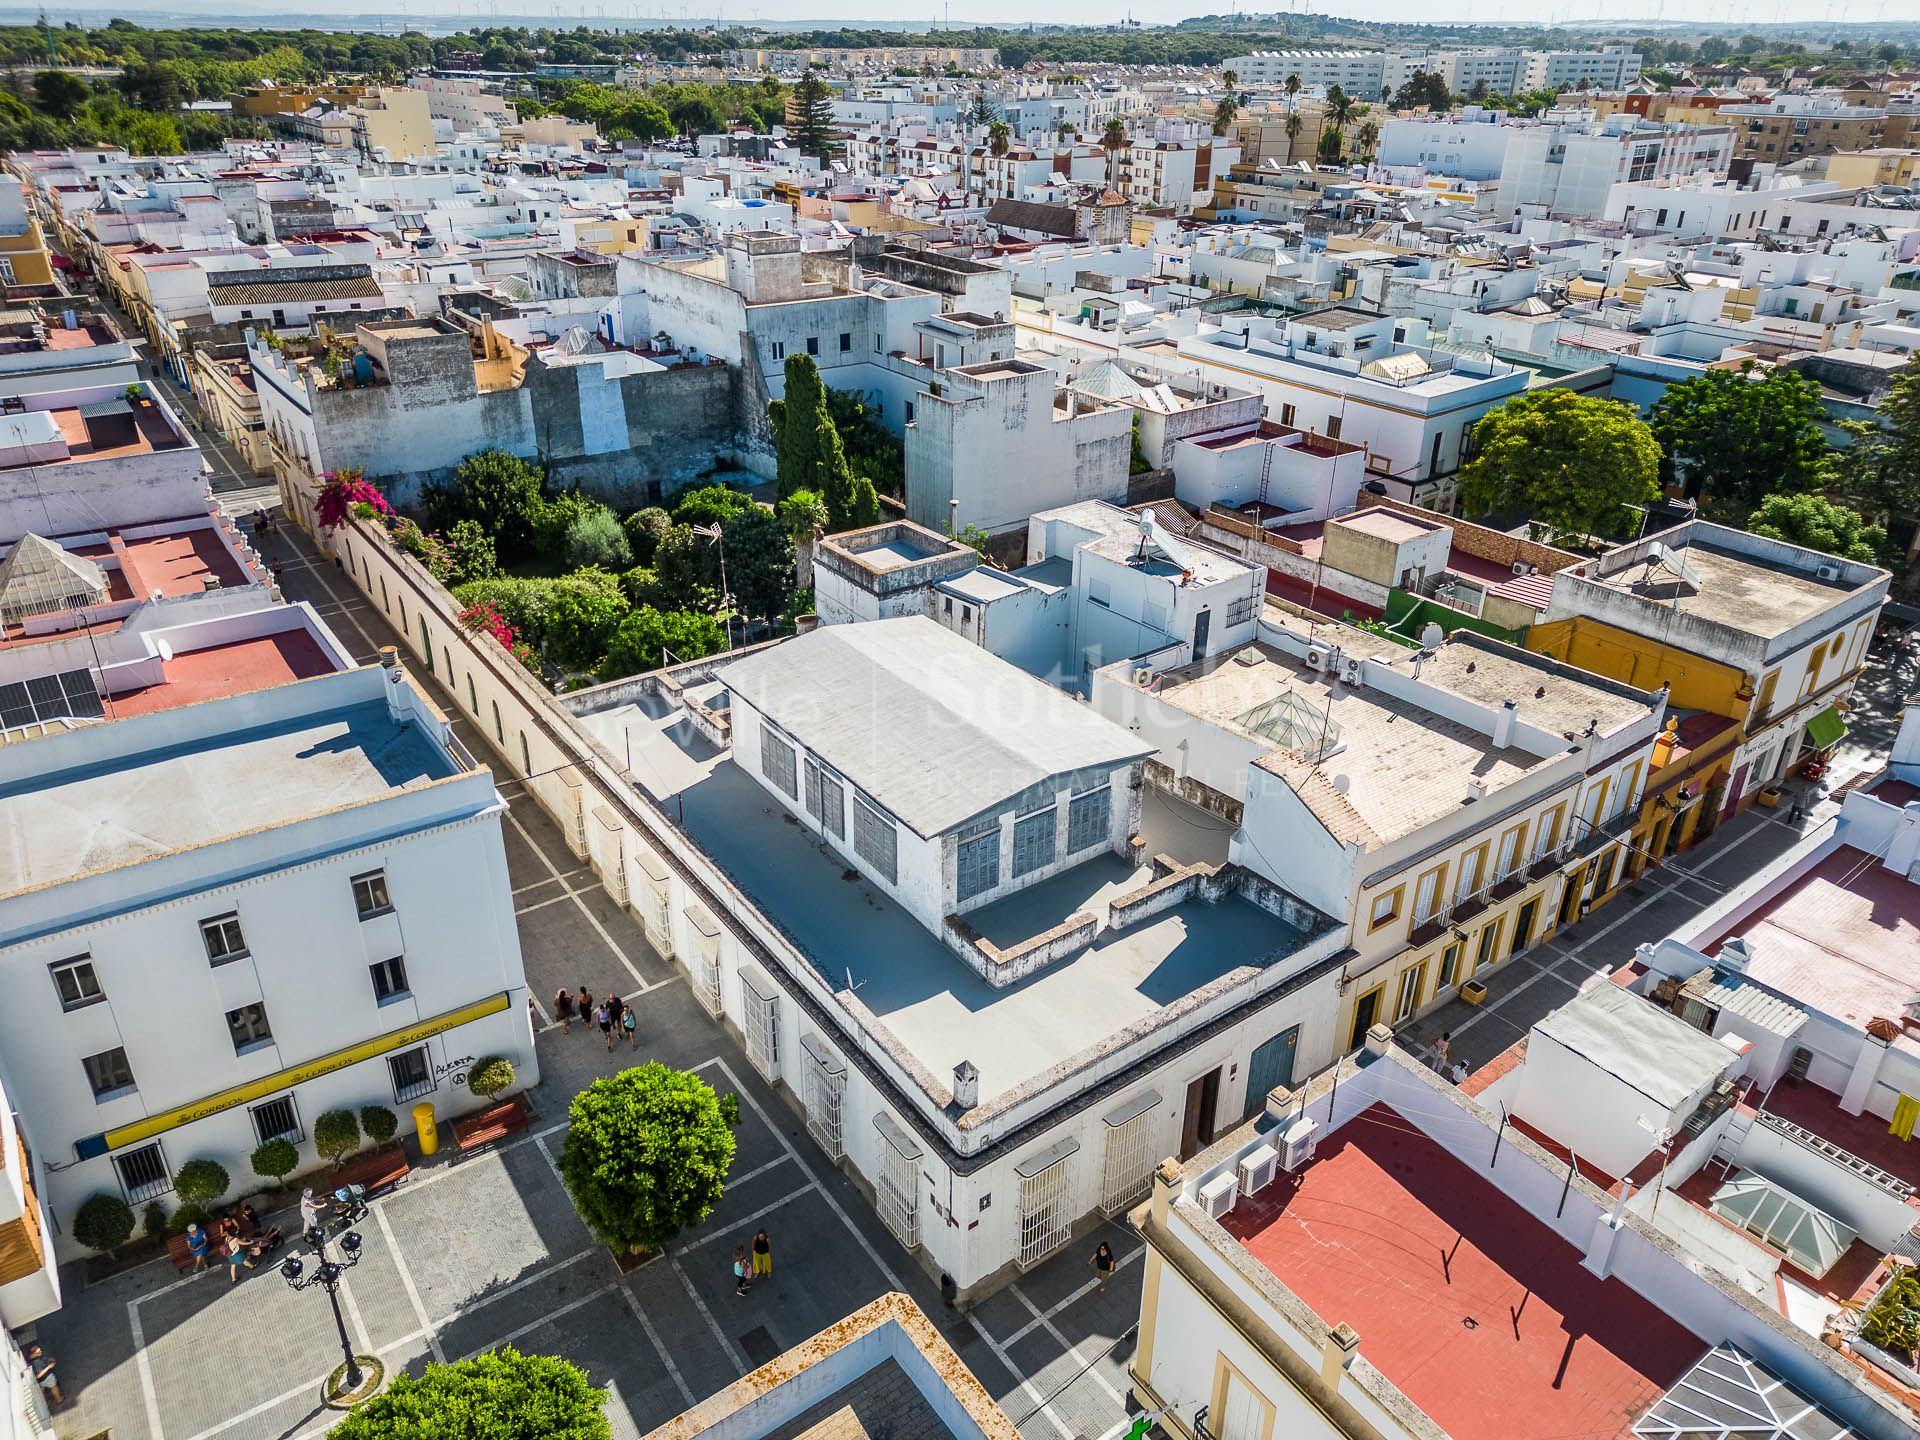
x: 390, y: 657
x: 1337, y: 1350
x: 1379, y: 1037
x: 209, y: 582
x: 1279, y: 1102
x: 966, y: 1085
x: 1736, y: 954
x: 1476, y: 790
x: 1503, y: 724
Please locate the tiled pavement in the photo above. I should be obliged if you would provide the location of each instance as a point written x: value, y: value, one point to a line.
x: 476, y: 1252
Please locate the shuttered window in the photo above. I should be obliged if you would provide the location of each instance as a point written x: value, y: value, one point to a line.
x: 979, y: 869
x: 1033, y: 842
x: 874, y: 838
x: 1088, y: 817
x: 826, y: 800
x: 777, y: 761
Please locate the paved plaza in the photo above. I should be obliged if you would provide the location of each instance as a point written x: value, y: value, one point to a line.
x: 485, y: 1250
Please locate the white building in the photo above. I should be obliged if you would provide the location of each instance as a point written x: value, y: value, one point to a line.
x: 1385, y: 1254
x: 1610, y: 68
x: 1361, y: 73
x: 29, y: 1273
x: 190, y: 967
x: 1014, y: 1110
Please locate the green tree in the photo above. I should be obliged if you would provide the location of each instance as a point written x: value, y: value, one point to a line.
x: 581, y: 622
x: 642, y: 120
x: 999, y: 138
x: 796, y: 423
x: 1573, y: 464
x: 644, y: 531
x: 648, y: 635
x: 1293, y: 127
x: 646, y: 1155
x: 810, y: 118
x: 501, y: 1395
x: 491, y: 1076
x: 1733, y: 437
x: 1223, y: 114
x: 802, y: 514
x: 58, y: 93
x: 1330, y: 143
x: 1113, y: 139
x: 1880, y: 469
x: 104, y: 1222
x: 380, y: 1123
x: 596, y: 539
x: 201, y: 1182
x: 1366, y: 137
x: 336, y: 1135
x: 498, y: 492
x: 276, y: 1160
x: 849, y: 498
x: 759, y: 561
x: 1819, y: 524
x: 471, y: 553
x: 710, y: 505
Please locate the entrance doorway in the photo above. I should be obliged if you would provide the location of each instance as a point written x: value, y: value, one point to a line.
x: 1523, y: 927
x: 1271, y: 1065
x: 1365, y: 1011
x: 1570, y: 897
x: 1203, y: 1100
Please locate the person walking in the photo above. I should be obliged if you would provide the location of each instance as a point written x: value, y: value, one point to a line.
x: 741, y: 1284
x: 238, y: 1258
x: 583, y: 1005
x: 628, y: 1023
x: 614, y: 1007
x: 604, y: 1019
x: 563, y: 1009
x: 41, y: 1364
x: 762, y: 1255
x: 197, y: 1247
x: 1443, y: 1050
x: 1103, y: 1263
x: 312, y: 1212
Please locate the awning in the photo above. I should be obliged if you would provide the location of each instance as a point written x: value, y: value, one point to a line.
x: 1826, y: 729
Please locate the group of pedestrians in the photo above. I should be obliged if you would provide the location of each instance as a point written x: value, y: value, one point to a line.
x: 237, y: 1239
x: 751, y: 1265
x: 613, y: 1015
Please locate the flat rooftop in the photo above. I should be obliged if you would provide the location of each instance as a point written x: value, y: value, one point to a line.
x: 1480, y: 1314
x: 235, y: 668
x: 1734, y: 591
x: 1842, y: 938
x: 1405, y: 766
x: 937, y: 1007
x: 63, y: 824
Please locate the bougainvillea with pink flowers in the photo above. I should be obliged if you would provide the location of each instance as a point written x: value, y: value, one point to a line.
x: 490, y: 621
x: 344, y: 490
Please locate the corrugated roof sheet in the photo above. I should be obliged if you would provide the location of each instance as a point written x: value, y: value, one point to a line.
x: 286, y: 292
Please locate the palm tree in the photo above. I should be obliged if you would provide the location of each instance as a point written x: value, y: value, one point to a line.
x: 1366, y: 137
x: 997, y: 141
x: 1292, y: 87
x: 1113, y: 139
x: 1066, y: 131
x: 1232, y: 79
x: 1339, y: 107
x: 1293, y: 127
x: 1223, y: 114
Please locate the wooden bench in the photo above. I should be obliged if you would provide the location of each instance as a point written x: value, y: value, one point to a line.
x: 375, y: 1171
x: 494, y: 1123
x: 182, y: 1257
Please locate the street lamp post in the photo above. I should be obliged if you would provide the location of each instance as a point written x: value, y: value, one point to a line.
x: 328, y: 1274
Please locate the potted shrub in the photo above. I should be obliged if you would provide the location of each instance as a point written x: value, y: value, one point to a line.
x: 276, y: 1160
x: 103, y: 1222
x: 336, y: 1135
x: 379, y: 1123
x: 201, y: 1182
x: 490, y: 1077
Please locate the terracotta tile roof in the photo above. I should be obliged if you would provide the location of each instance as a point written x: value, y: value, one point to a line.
x: 282, y: 292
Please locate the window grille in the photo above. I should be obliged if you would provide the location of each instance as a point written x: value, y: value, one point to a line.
x: 1046, y: 1216
x: 412, y: 1075
x: 143, y: 1173
x: 1128, y: 1165
x: 874, y: 838
x: 276, y: 1120
x: 823, y: 1082
x: 703, y: 962
x: 760, y: 1021
x: 897, y: 1187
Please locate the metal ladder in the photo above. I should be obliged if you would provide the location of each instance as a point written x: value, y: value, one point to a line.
x: 1266, y: 470
x: 1841, y: 1156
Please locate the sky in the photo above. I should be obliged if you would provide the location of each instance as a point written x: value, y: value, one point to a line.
x: 1091, y: 12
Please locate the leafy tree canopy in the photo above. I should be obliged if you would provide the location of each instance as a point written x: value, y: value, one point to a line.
x: 1733, y: 437
x: 1573, y: 464
x: 1819, y: 524
x: 502, y: 1395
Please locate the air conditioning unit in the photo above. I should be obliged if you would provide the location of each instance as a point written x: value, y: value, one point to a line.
x: 1298, y: 1142
x: 1317, y: 656
x: 1828, y: 572
x: 1350, y: 669
x: 1256, y: 1169
x: 1218, y: 1194
x: 1521, y: 567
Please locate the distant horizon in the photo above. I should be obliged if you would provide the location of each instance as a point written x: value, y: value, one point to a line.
x: 1653, y: 15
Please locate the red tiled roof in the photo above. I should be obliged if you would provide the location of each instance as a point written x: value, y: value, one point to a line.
x: 1483, y: 1316
x: 236, y: 668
